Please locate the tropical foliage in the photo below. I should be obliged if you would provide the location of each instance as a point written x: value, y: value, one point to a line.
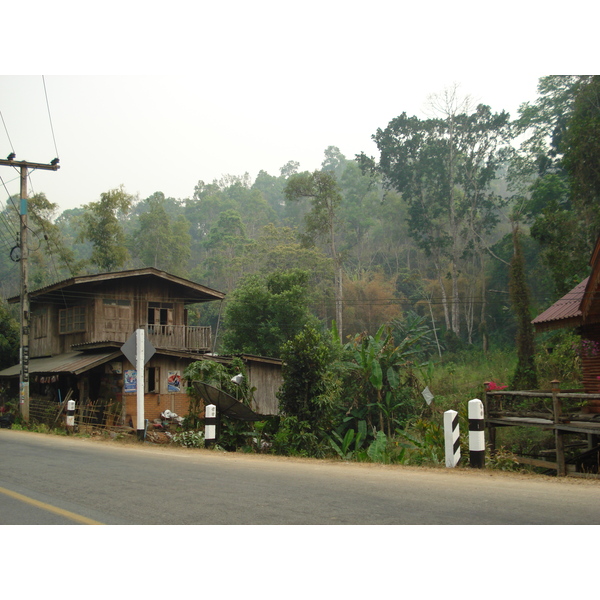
x: 408, y: 253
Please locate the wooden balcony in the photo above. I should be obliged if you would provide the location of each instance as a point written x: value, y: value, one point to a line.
x: 180, y: 337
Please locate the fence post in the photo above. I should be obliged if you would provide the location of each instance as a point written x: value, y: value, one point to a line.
x: 476, y: 434
x: 451, y: 438
x: 210, y: 425
x: 561, y: 470
x: 486, y: 412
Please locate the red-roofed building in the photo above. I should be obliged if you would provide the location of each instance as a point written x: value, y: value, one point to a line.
x: 580, y: 309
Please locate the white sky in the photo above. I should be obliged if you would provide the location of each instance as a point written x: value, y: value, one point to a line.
x: 157, y: 101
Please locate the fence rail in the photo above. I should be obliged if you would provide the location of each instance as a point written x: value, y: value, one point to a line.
x: 566, y: 412
x: 556, y: 405
x: 91, y: 415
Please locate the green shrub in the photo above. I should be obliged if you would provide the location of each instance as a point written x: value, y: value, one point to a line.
x: 189, y: 439
x: 297, y: 438
x: 558, y: 357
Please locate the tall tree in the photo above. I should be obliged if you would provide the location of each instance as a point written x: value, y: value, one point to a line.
x: 101, y: 225
x: 582, y: 156
x: 443, y: 167
x: 542, y: 125
x: 160, y: 240
x: 262, y: 313
x: 565, y: 228
x: 359, y: 213
x: 225, y: 245
x: 322, y: 189
x: 525, y: 375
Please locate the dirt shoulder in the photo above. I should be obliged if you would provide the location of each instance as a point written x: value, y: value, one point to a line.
x: 130, y: 443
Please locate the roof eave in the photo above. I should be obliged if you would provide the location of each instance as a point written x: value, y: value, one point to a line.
x: 208, y: 293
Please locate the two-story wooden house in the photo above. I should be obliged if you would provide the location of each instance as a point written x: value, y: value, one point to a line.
x: 79, y: 325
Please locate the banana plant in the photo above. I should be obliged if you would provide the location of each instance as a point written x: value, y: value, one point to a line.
x: 376, y: 367
x: 343, y: 448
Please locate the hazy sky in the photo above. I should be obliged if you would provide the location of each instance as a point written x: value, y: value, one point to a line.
x: 157, y: 101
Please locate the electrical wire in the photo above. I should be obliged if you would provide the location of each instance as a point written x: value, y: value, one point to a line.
x: 50, y: 117
x: 10, y: 196
x: 7, y: 134
x: 72, y: 295
x: 9, y: 227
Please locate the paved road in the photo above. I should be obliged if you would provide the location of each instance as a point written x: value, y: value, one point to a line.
x: 47, y: 479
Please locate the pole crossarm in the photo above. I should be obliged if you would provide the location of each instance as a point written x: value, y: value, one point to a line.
x: 28, y: 165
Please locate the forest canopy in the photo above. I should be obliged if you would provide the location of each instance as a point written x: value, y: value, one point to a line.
x: 423, y: 228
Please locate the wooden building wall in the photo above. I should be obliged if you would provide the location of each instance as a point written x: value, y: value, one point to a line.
x: 267, y: 379
x: 106, y: 315
x: 590, y: 358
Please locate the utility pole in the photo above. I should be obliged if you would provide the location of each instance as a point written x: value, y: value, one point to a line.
x: 24, y: 167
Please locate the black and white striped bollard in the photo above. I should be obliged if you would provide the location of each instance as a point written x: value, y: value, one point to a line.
x: 70, y: 415
x: 451, y: 438
x: 476, y: 434
x: 210, y: 425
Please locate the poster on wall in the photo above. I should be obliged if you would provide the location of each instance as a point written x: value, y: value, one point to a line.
x: 130, y: 381
x: 174, y: 381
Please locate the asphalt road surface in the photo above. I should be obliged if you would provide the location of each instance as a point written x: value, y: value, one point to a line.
x: 47, y: 479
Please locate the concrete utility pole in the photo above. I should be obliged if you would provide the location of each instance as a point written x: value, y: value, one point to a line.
x: 24, y: 167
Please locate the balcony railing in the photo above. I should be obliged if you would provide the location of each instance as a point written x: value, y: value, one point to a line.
x: 170, y: 337
x: 180, y: 337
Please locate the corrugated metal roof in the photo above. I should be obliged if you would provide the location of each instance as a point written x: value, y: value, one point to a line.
x: 70, y: 362
x: 192, y: 292
x: 564, y: 311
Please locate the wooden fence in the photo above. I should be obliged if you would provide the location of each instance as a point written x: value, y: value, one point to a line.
x: 566, y: 412
x: 88, y: 416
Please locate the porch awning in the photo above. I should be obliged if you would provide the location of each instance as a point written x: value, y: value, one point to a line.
x: 70, y: 362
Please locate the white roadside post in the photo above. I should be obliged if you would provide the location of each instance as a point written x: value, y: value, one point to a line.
x: 138, y: 351
x: 139, y: 384
x: 210, y: 425
x: 70, y: 415
x: 476, y: 434
x: 451, y: 438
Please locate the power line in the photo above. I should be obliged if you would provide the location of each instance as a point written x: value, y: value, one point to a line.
x: 10, y: 228
x: 81, y: 295
x: 7, y: 135
x: 50, y: 117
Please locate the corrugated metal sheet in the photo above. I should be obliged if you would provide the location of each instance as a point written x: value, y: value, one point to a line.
x: 563, y: 312
x: 190, y: 291
x: 70, y: 362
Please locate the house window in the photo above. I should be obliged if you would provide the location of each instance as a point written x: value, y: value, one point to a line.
x: 152, y: 380
x: 116, y: 302
x: 71, y: 319
x: 160, y: 318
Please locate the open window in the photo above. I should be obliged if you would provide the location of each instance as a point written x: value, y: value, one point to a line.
x: 152, y: 380
x: 160, y: 318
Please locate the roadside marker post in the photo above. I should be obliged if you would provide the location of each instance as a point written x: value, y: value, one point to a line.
x: 476, y: 434
x: 70, y: 415
x: 210, y: 425
x: 451, y: 438
x: 139, y: 367
x: 138, y: 350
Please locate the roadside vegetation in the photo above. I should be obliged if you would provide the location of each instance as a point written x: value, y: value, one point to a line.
x: 362, y: 401
x: 372, y: 278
